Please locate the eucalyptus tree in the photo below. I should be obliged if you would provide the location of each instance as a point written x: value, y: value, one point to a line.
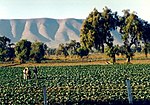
x: 22, y: 50
x: 95, y: 31
x: 89, y: 34
x: 51, y: 51
x: 37, y: 51
x: 131, y: 31
x: 146, y: 36
x: 112, y: 52
x: 62, y: 50
x: 72, y: 47
x: 82, y: 51
x: 108, y: 22
x: 6, y: 51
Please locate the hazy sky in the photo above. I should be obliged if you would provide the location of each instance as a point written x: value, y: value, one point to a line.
x: 59, y: 9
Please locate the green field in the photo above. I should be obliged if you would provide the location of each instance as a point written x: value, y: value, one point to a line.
x: 93, y: 84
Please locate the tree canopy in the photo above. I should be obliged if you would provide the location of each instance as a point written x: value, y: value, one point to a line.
x: 96, y: 31
x: 22, y: 50
x: 37, y: 51
x: 6, y: 52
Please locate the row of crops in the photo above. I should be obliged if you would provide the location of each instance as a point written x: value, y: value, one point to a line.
x: 93, y: 84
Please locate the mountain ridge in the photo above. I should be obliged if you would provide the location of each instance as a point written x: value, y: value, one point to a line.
x: 47, y: 30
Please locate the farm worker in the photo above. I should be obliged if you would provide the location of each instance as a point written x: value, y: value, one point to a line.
x: 25, y: 73
x: 35, y: 70
x: 28, y: 74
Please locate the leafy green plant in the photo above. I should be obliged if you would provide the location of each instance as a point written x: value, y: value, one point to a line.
x: 75, y: 84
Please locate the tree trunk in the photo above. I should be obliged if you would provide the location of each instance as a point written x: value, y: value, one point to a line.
x: 113, y: 59
x: 129, y: 54
x: 102, y: 51
x: 128, y: 59
x: 145, y: 50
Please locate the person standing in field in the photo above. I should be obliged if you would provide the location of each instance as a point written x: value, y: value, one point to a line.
x: 26, y: 73
x: 35, y: 70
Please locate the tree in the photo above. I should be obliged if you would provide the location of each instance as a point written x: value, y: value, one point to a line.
x: 112, y: 51
x: 6, y: 51
x: 89, y: 30
x: 131, y: 31
x: 96, y: 29
x: 62, y: 50
x: 51, y: 51
x: 82, y: 51
x: 11, y: 52
x: 72, y: 47
x: 22, y: 50
x: 108, y: 22
x: 37, y: 51
x: 146, y: 36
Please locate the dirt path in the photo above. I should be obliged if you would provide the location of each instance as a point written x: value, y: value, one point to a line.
x: 101, y: 62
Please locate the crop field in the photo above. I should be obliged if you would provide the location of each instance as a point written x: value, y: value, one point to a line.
x: 90, y: 84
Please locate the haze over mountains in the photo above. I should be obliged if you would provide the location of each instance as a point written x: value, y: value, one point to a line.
x: 49, y: 31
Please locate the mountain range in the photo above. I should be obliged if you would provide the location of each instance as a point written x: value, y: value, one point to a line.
x: 47, y: 30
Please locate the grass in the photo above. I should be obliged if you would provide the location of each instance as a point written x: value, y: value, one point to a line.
x: 91, y: 59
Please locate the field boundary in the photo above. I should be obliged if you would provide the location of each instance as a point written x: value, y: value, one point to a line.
x: 100, y: 62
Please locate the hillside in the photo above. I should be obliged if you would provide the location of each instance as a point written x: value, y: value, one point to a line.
x: 47, y: 30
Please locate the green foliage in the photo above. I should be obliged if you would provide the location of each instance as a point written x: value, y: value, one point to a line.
x: 75, y: 84
x: 72, y: 47
x: 146, y: 37
x: 146, y: 32
x: 82, y: 51
x: 124, y: 51
x: 37, y: 51
x: 89, y: 31
x: 51, y: 51
x: 2, y: 54
x: 22, y: 50
x: 68, y: 48
x: 131, y: 30
x: 6, y: 51
x: 96, y: 29
x: 11, y: 53
x: 146, y: 49
x: 62, y: 50
x: 112, y: 51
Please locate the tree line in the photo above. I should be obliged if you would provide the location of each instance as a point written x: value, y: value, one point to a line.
x: 95, y: 34
x: 22, y: 51
x: 25, y: 50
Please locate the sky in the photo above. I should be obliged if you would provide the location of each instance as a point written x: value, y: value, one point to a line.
x: 60, y: 9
